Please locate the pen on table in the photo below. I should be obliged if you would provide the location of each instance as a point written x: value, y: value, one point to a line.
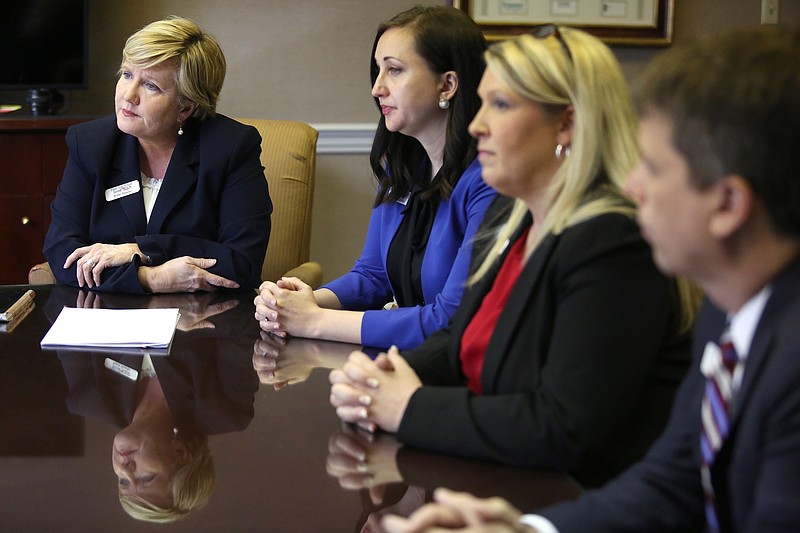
x: 23, y: 302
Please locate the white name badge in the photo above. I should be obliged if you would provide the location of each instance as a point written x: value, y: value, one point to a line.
x: 120, y: 191
x: 119, y: 368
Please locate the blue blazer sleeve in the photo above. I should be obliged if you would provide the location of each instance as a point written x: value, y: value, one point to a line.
x: 214, y: 202
x: 444, y: 269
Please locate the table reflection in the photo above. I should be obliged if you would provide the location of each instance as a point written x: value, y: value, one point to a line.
x: 269, y: 456
x: 367, y: 462
x: 280, y: 362
x: 164, y: 407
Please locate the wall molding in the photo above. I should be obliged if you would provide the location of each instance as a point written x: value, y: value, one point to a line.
x: 344, y: 138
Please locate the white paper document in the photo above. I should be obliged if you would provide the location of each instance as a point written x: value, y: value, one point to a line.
x: 112, y: 328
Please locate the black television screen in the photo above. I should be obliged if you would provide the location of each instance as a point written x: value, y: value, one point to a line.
x: 43, y: 44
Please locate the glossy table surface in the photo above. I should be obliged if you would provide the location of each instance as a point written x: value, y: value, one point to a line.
x: 282, y: 459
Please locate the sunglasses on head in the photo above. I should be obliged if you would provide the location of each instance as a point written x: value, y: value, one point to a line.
x: 544, y: 31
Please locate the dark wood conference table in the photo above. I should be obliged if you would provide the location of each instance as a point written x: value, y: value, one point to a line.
x: 283, y: 461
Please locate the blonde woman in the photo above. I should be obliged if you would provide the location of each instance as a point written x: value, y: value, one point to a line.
x: 165, y: 195
x: 568, y: 345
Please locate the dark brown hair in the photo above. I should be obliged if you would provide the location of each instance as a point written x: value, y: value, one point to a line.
x: 447, y: 39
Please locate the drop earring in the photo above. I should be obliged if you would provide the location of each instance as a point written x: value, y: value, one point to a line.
x: 444, y: 103
x: 180, y: 129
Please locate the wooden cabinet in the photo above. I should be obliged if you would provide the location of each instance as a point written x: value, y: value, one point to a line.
x: 32, y: 158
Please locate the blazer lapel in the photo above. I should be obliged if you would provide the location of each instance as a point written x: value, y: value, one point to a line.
x: 784, y: 291
x: 126, y: 169
x: 180, y: 178
x: 514, y: 310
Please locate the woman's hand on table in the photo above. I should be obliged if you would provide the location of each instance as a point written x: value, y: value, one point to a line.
x: 373, y: 394
x: 183, y: 274
x: 92, y: 260
x: 287, y: 306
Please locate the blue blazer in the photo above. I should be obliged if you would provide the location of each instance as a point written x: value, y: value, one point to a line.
x: 756, y: 473
x: 444, y: 267
x: 214, y: 202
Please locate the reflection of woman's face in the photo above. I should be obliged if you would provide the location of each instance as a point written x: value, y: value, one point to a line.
x: 145, y: 461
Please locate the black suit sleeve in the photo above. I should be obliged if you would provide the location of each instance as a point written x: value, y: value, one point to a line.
x: 574, y: 371
x: 660, y: 493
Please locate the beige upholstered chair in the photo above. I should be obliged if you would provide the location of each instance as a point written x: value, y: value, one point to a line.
x: 289, y: 154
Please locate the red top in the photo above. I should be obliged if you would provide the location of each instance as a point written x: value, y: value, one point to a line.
x: 481, y: 327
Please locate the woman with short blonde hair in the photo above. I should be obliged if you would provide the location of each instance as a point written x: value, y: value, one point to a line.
x: 198, y: 56
x: 165, y: 195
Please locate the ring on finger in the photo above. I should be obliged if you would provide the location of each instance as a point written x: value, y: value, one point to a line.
x: 90, y: 262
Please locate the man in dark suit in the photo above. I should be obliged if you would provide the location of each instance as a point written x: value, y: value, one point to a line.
x: 719, y: 188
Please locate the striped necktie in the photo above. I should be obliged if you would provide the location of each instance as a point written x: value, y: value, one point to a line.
x: 714, y: 414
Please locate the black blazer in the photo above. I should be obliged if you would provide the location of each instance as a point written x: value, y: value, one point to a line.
x: 581, y: 369
x: 214, y: 202
x: 756, y: 473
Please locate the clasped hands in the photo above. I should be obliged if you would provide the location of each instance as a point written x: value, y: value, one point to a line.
x: 373, y: 393
x: 366, y: 461
x: 459, y: 511
x: 286, y: 306
x: 182, y: 274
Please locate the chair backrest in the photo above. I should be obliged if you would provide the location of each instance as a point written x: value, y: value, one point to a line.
x: 289, y: 156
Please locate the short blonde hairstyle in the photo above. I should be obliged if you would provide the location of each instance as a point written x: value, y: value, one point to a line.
x: 191, y: 488
x: 604, y: 148
x: 200, y: 62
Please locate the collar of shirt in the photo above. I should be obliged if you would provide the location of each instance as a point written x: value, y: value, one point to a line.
x: 743, y: 325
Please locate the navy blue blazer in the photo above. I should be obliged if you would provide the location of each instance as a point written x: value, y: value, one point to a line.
x: 756, y: 473
x: 214, y: 202
x: 581, y: 369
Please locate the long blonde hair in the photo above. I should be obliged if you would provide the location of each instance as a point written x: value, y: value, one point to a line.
x: 603, y: 149
x: 569, y: 67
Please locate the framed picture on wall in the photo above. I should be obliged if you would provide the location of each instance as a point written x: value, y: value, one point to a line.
x: 617, y: 22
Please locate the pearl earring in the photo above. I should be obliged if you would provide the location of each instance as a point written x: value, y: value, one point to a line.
x: 180, y: 129
x: 444, y: 103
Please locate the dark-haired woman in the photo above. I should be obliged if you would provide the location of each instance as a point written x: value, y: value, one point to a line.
x: 425, y: 69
